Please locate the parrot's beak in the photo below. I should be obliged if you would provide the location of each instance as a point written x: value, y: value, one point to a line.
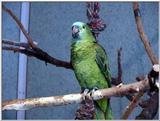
x: 75, y: 31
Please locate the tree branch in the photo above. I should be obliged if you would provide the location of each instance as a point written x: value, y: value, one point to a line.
x: 118, y: 80
x: 132, y: 105
x: 15, y: 43
x: 150, y: 108
x: 38, y: 53
x: 28, y: 51
x: 34, y: 50
x: 119, y: 66
x: 30, y: 41
x: 149, y: 105
x: 25, y: 104
x: 142, y: 34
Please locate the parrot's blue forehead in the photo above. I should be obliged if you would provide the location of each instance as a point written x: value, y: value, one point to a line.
x: 78, y: 23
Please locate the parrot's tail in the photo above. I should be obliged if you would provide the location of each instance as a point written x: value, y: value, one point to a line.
x: 102, y: 111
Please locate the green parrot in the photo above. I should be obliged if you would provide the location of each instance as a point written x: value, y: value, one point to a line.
x: 90, y: 64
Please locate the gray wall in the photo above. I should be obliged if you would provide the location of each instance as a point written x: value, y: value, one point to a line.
x: 50, y: 26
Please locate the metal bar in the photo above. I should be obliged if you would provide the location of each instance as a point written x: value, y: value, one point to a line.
x: 22, y: 71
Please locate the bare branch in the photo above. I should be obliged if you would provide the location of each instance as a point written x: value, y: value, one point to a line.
x: 150, y: 108
x: 118, y: 80
x: 15, y: 43
x: 25, y: 104
x: 34, y: 50
x: 28, y: 51
x: 142, y: 34
x: 132, y: 105
x: 38, y: 53
x: 42, y: 55
x: 30, y: 41
x: 146, y: 105
x: 11, y: 49
x: 119, y: 66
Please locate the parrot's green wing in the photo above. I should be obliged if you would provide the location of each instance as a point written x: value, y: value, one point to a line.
x: 102, y: 61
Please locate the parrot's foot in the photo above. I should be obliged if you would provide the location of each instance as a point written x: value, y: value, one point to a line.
x: 93, y: 90
x: 119, y: 85
x: 85, y: 94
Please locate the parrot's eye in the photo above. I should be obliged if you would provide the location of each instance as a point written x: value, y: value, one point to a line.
x: 83, y: 27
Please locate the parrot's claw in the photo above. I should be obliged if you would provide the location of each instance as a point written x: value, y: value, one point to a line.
x: 93, y: 90
x: 85, y: 93
x: 119, y: 85
x: 88, y: 93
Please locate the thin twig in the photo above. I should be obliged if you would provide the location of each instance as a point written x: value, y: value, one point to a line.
x: 9, y: 48
x: 25, y: 104
x: 119, y: 66
x: 15, y: 43
x: 132, y: 105
x: 28, y: 51
x: 142, y: 34
x: 118, y: 80
x: 40, y: 54
x: 30, y: 41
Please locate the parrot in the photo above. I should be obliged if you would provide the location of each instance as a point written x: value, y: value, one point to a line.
x: 91, y: 66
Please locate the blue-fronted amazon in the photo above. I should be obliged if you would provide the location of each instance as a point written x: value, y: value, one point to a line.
x: 90, y: 64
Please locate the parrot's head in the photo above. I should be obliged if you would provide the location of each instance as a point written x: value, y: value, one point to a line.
x: 80, y: 31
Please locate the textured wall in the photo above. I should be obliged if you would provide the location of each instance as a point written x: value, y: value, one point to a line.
x: 50, y: 26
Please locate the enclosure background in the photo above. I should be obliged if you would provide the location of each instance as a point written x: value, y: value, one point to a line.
x: 50, y: 25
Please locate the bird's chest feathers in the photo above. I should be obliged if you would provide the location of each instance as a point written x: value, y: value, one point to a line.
x: 85, y: 66
x: 83, y: 60
x: 83, y: 52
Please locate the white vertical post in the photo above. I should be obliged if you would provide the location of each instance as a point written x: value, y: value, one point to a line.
x: 22, y: 70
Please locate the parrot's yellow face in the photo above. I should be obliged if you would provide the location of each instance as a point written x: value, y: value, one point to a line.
x: 80, y: 31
